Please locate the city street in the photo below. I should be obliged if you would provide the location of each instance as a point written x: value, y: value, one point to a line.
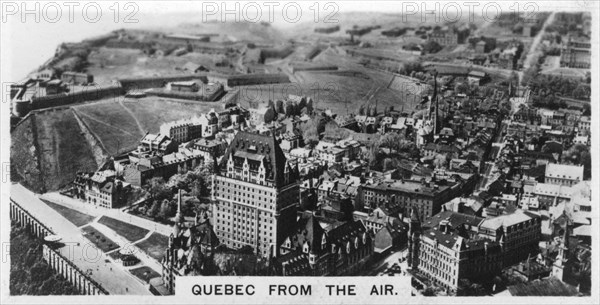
x: 387, y: 262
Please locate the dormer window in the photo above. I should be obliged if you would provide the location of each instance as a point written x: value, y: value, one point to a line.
x: 305, y: 250
x: 323, y: 242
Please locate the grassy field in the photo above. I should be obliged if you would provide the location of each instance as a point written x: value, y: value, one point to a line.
x: 77, y: 218
x: 113, y: 124
x: 102, y: 242
x: 144, y: 273
x: 155, y: 245
x: 130, y: 232
x: 152, y: 111
x: 121, y: 125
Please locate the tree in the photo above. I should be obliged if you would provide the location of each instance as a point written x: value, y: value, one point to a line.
x: 312, y: 129
x: 582, y: 92
x: 166, y: 209
x: 154, y: 209
x: 157, y: 188
x: 440, y: 161
x: 431, y: 47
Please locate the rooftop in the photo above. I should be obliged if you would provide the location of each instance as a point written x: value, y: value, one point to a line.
x: 564, y: 171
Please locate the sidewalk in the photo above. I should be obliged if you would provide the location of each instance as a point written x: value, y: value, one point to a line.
x: 113, y: 213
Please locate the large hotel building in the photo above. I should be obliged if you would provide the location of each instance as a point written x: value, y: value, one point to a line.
x: 256, y: 194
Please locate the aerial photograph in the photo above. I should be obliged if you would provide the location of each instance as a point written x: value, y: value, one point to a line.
x: 351, y: 141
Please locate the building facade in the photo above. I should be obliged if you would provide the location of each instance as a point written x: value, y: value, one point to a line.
x: 257, y: 193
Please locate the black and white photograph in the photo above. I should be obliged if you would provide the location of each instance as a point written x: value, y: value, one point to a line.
x: 308, y: 152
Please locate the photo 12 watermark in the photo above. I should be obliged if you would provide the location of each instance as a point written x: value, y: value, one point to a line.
x: 272, y: 11
x: 68, y: 11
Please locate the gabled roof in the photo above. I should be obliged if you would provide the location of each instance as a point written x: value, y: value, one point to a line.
x: 263, y: 145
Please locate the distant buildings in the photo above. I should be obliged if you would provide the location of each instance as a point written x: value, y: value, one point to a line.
x: 248, y: 79
x: 444, y: 37
x: 576, y: 53
x: 77, y: 78
x: 327, y: 30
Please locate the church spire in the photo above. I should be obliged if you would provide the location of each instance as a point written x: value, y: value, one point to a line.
x: 178, y: 216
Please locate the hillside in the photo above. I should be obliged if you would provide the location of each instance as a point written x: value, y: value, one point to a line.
x: 49, y: 147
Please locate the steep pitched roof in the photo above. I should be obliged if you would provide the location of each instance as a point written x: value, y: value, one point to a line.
x: 266, y: 146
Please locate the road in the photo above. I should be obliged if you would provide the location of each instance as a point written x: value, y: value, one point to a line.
x: 388, y: 262
x: 531, y: 56
x: 113, y: 277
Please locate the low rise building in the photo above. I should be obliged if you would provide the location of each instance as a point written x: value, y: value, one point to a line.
x: 425, y: 198
x: 101, y: 189
x: 519, y: 234
x: 563, y: 174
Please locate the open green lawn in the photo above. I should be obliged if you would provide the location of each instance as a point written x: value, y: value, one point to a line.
x: 100, y: 240
x: 153, y: 111
x: 144, y: 273
x: 112, y: 124
x: 77, y: 218
x: 128, y: 231
x: 155, y: 245
x: 120, y: 126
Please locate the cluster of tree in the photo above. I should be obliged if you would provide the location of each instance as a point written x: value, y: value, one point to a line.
x: 431, y: 47
x: 292, y: 108
x: 196, y: 182
x: 312, y: 129
x: 29, y: 273
x: 332, y: 130
x: 397, y: 143
x: 543, y: 84
x: 411, y: 67
x: 565, y: 23
x: 398, y: 148
x: 579, y: 154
